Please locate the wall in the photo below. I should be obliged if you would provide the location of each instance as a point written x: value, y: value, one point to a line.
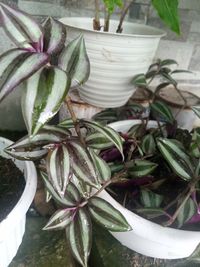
x: 185, y: 48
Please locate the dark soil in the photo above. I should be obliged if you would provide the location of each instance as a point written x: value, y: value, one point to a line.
x: 12, y: 184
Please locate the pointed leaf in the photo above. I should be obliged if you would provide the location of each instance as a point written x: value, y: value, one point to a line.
x: 107, y: 216
x: 74, y: 61
x: 181, y: 71
x: 33, y: 148
x: 168, y: 12
x: 68, y: 124
x: 54, y: 36
x: 106, y: 116
x: 16, y: 65
x: 104, y: 172
x: 187, y: 211
x: 148, y: 144
x: 21, y: 28
x: 58, y: 168
x: 82, y: 164
x: 98, y: 141
x: 108, y: 132
x: 60, y: 219
x: 176, y: 157
x: 139, y: 80
x: 139, y: 168
x: 72, y: 196
x: 196, y: 110
x: 168, y: 62
x: 44, y: 94
x: 161, y: 110
x: 151, y: 213
x: 80, y: 236
x: 150, y: 199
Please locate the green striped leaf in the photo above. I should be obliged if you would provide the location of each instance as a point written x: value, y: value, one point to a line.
x: 33, y: 148
x: 44, y: 94
x: 176, y: 157
x: 16, y: 65
x: 108, y: 132
x: 79, y: 235
x: 54, y: 36
x: 21, y: 28
x: 186, y: 212
x: 161, y: 110
x: 168, y: 12
x: 68, y: 124
x: 169, y: 61
x: 151, y: 213
x: 82, y: 164
x: 107, y: 216
x: 196, y: 110
x: 139, y: 80
x: 72, y: 196
x: 98, y: 141
x: 60, y: 219
x: 140, y: 168
x: 74, y: 61
x: 58, y: 169
x: 104, y: 172
x: 150, y: 199
x: 57, y: 130
x: 137, y: 130
x: 148, y: 144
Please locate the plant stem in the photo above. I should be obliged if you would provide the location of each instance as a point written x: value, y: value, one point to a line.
x: 96, y: 20
x: 123, y: 15
x: 75, y: 120
x: 106, y: 20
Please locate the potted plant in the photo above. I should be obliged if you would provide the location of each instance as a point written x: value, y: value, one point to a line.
x: 116, y: 56
x: 48, y: 69
x: 159, y: 83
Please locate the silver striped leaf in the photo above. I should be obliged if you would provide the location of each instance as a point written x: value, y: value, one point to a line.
x: 186, y: 212
x: 103, y: 169
x: 72, y: 196
x: 67, y: 124
x: 16, y: 65
x: 177, y: 158
x: 60, y: 219
x: 33, y: 148
x: 98, y: 141
x: 150, y: 199
x: 82, y: 165
x: 107, y: 132
x: 44, y: 94
x: 58, y: 169
x: 79, y: 235
x: 107, y: 216
x: 140, y: 168
x: 161, y: 110
x: 21, y: 28
x: 54, y: 36
x: 74, y: 60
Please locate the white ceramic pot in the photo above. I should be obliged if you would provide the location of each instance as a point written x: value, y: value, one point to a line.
x: 149, y: 238
x: 115, y: 58
x: 13, y: 226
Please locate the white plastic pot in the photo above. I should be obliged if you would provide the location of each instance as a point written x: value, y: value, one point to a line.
x: 149, y: 238
x: 13, y: 226
x: 115, y: 58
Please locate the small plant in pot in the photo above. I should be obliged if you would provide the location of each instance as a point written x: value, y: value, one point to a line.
x: 73, y: 173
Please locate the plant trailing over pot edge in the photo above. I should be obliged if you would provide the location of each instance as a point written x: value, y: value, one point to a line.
x: 48, y: 69
x: 167, y: 10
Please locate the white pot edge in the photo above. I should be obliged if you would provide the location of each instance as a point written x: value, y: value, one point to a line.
x: 13, y: 226
x: 149, y: 238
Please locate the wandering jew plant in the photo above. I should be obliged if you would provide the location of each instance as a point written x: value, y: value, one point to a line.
x: 73, y: 172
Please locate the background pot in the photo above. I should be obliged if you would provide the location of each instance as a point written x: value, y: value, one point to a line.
x: 115, y: 58
x: 149, y: 238
x: 13, y: 226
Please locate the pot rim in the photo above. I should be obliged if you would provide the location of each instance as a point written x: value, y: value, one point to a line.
x: 160, y: 33
x: 26, y: 198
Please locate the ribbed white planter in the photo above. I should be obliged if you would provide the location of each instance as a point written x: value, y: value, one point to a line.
x: 13, y: 226
x: 115, y: 58
x: 149, y: 238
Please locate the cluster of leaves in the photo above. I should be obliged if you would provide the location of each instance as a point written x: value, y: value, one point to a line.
x: 162, y: 165
x: 71, y: 168
x: 166, y: 9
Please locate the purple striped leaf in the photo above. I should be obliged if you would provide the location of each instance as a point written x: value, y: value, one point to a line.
x: 74, y: 60
x: 33, y: 148
x: 16, y: 65
x: 22, y: 29
x: 54, y: 36
x: 44, y: 94
x: 79, y: 235
x: 60, y: 219
x: 58, y: 168
x: 82, y: 164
